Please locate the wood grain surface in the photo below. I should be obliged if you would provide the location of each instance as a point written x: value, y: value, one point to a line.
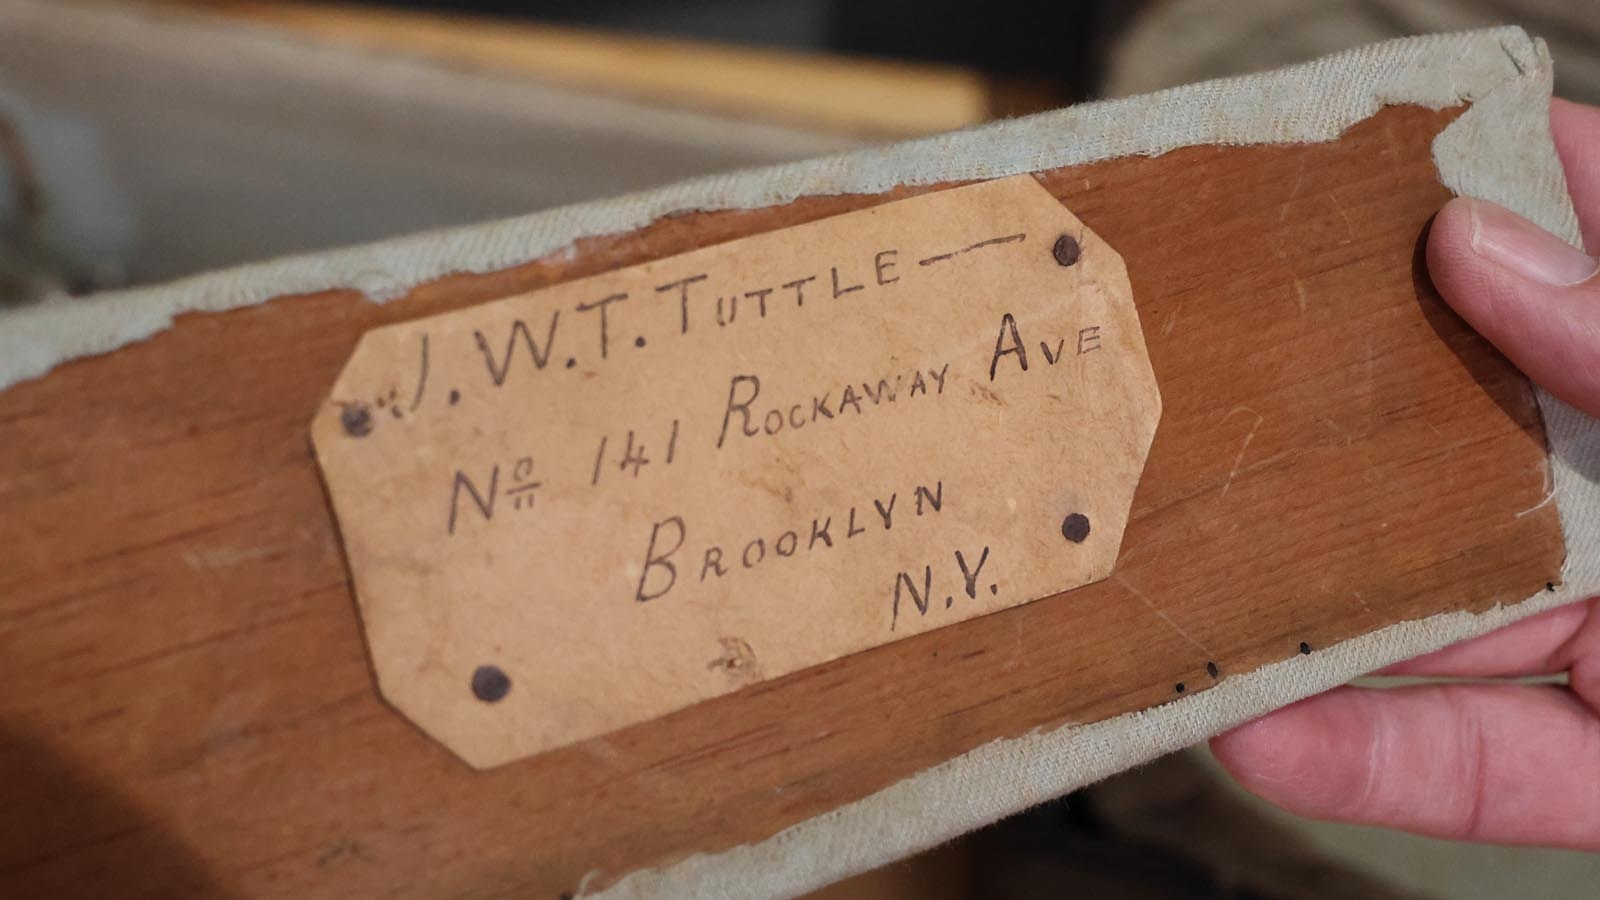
x: 188, y: 706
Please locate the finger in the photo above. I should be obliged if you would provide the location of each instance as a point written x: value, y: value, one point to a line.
x: 1576, y: 129
x: 1537, y: 645
x: 1498, y: 763
x: 1532, y: 295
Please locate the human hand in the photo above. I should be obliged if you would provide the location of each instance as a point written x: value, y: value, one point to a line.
x: 1502, y: 763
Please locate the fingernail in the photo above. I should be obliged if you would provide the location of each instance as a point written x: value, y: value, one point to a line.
x: 1512, y: 242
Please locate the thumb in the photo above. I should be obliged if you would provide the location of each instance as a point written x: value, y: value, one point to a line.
x: 1530, y: 293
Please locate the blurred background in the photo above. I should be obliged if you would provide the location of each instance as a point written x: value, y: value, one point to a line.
x: 145, y: 141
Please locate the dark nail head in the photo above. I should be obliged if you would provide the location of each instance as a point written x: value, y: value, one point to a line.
x: 1305, y: 649
x: 356, y: 419
x: 1075, y: 528
x: 490, y: 684
x: 1066, y: 251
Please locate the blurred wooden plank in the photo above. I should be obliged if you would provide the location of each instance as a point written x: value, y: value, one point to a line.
x: 188, y: 702
x: 826, y: 92
x: 204, y: 143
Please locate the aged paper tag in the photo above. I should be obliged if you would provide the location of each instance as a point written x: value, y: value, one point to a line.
x: 587, y: 506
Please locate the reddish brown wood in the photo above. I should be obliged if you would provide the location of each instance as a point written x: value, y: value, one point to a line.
x: 187, y: 704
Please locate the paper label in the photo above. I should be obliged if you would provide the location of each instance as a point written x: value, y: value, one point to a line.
x: 583, y: 507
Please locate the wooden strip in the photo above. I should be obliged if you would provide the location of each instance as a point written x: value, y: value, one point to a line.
x: 188, y: 700
x: 828, y: 92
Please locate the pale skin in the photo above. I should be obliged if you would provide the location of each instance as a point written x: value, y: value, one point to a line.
x: 1500, y: 763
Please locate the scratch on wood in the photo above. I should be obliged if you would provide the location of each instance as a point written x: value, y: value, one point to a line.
x: 1349, y: 227
x: 1294, y: 192
x: 1161, y: 615
x: 1239, y: 459
x: 1343, y: 434
x: 226, y: 557
x: 1549, y: 491
x: 1017, y: 631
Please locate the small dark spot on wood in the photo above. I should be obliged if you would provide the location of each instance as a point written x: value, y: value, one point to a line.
x: 490, y: 684
x: 1549, y: 585
x: 356, y: 419
x: 994, y: 588
x: 571, y: 361
x: 344, y: 847
x: 1212, y: 670
x: 1075, y: 527
x: 1179, y: 687
x: 1305, y: 649
x: 455, y: 396
x: 567, y: 895
x: 1066, y: 250
x: 948, y: 601
x: 639, y: 341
